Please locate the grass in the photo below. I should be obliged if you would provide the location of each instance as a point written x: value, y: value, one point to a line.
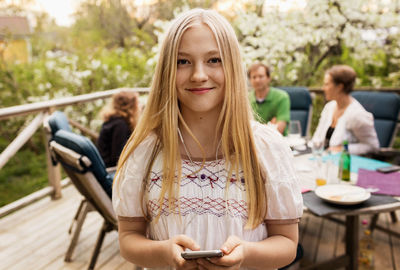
x: 25, y: 173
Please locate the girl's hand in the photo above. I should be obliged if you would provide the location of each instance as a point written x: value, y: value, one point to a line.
x: 173, y: 249
x: 233, y: 257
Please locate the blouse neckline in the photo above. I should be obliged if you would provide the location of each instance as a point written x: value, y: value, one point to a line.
x: 186, y: 158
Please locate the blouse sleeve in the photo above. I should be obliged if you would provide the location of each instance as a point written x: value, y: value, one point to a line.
x: 362, y: 127
x: 284, y: 199
x: 128, y: 185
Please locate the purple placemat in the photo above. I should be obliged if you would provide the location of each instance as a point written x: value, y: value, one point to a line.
x: 387, y: 183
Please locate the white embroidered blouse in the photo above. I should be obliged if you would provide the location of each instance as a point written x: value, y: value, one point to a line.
x: 209, y: 214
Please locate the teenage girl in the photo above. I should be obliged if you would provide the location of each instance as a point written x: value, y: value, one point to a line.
x: 198, y: 173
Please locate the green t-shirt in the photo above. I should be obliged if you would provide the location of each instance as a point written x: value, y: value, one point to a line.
x: 276, y: 104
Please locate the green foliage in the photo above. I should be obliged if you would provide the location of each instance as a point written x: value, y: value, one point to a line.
x: 25, y: 173
x: 318, y: 104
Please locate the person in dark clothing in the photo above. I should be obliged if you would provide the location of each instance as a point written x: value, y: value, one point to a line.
x: 120, y: 119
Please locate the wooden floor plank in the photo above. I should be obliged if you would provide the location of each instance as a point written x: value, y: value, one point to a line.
x: 41, y: 229
x: 30, y: 243
x: 328, y: 241
x: 57, y: 249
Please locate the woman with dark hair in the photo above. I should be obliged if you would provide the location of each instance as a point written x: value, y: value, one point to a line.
x: 343, y: 117
x: 120, y: 119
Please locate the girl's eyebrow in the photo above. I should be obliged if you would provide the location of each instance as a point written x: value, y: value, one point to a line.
x: 212, y: 52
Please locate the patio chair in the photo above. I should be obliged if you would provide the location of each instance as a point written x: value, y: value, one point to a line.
x: 300, y: 106
x: 55, y: 122
x: 84, y: 166
x: 386, y: 108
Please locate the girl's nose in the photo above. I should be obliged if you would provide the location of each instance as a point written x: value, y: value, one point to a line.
x: 199, y: 74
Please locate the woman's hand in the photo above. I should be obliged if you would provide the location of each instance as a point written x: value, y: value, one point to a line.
x: 173, y: 249
x: 233, y: 258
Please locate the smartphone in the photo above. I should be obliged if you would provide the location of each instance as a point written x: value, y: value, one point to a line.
x: 388, y: 169
x: 190, y: 255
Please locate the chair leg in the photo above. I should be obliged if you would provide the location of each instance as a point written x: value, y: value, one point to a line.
x: 76, y: 215
x: 393, y: 216
x: 85, y: 208
x: 104, y: 229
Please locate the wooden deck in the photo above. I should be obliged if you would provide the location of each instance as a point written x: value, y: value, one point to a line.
x: 36, y: 237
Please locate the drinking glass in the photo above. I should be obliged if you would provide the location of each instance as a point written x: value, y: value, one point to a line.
x: 294, y: 129
x: 322, y: 173
x: 317, y: 149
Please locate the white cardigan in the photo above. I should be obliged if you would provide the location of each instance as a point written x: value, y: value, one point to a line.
x: 355, y: 125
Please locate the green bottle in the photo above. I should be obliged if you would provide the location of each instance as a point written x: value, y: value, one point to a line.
x: 344, y: 162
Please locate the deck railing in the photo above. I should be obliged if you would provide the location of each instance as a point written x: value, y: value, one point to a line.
x: 43, y: 109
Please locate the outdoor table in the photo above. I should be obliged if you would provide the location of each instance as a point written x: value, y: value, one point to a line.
x: 316, y: 206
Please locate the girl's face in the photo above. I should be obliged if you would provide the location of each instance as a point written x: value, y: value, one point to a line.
x: 200, y: 79
x: 331, y: 89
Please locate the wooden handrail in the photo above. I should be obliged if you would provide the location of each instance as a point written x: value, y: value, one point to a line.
x: 84, y: 130
x: 318, y: 90
x: 45, y: 105
x: 21, y: 139
x: 43, y: 108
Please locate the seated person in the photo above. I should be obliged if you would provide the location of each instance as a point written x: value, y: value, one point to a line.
x: 270, y: 105
x: 343, y: 117
x: 120, y: 118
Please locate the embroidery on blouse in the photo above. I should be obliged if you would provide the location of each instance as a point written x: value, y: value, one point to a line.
x: 191, y: 202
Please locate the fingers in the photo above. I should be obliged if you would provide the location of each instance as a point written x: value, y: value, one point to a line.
x: 273, y: 120
x: 176, y: 245
x: 204, y: 264
x: 186, y: 242
x: 233, y: 256
x: 187, y: 265
x: 230, y: 244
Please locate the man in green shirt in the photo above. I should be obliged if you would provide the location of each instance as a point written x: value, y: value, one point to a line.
x: 269, y: 104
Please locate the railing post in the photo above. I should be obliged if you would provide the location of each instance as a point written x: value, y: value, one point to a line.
x: 53, y: 171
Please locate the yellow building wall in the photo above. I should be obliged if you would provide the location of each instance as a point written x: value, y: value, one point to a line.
x: 14, y: 50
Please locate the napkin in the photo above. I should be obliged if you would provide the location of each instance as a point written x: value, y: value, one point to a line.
x: 387, y: 183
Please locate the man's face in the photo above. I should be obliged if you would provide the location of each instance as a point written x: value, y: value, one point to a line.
x: 259, y: 79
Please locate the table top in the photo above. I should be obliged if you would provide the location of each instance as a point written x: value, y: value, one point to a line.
x: 306, y: 168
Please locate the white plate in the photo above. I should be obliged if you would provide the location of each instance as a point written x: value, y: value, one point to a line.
x: 342, y: 194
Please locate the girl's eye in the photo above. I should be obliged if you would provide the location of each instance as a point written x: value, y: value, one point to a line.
x: 215, y: 60
x: 182, y: 62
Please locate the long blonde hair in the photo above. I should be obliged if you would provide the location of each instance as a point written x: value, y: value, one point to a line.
x: 162, y: 115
